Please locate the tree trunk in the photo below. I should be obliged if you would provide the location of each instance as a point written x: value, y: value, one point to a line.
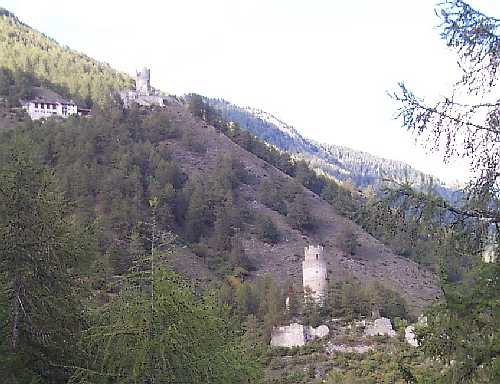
x: 15, y: 321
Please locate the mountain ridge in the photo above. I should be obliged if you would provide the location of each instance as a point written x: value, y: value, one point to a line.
x: 343, y: 163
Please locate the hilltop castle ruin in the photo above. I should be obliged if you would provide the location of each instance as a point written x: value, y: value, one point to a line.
x: 144, y: 94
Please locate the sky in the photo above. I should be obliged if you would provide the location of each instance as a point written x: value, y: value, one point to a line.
x: 323, y: 66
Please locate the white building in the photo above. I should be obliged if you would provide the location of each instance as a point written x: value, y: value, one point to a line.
x: 46, y: 103
x: 314, y: 272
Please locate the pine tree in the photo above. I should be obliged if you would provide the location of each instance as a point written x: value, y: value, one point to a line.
x: 38, y: 246
x: 196, y: 212
x: 157, y: 331
x: 266, y: 230
x: 311, y: 309
x: 464, y: 329
x: 299, y: 215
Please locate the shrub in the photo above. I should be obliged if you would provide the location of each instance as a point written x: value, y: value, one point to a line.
x: 266, y: 230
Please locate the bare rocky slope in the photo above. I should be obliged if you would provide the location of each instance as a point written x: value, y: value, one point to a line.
x: 373, y: 260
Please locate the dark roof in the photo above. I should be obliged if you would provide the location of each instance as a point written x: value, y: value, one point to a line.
x: 45, y: 95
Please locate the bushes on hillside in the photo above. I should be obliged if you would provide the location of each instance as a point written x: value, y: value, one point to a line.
x: 347, y: 240
x: 351, y: 299
x: 267, y: 230
x: 299, y: 214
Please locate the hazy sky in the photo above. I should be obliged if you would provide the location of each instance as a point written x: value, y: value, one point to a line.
x: 323, y: 66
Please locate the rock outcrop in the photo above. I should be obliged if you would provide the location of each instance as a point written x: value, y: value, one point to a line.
x: 410, y: 336
x: 296, y: 335
x: 381, y: 327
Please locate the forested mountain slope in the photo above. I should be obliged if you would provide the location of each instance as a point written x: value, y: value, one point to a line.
x: 158, y: 244
x: 207, y: 186
x: 234, y: 214
x: 345, y: 164
x: 28, y: 56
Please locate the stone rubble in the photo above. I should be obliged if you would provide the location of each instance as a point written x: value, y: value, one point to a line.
x: 410, y: 336
x: 343, y: 348
x: 296, y: 335
x: 381, y: 327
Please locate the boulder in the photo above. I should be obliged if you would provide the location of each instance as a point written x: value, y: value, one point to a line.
x: 296, y: 335
x: 381, y: 327
x: 410, y: 336
x: 293, y: 335
x: 319, y: 332
x: 332, y: 348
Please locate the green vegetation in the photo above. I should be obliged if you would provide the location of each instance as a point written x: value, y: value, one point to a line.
x: 341, y: 198
x: 39, y: 297
x: 266, y: 230
x: 349, y: 299
x: 30, y: 58
x: 408, y: 366
x: 88, y: 208
x: 347, y: 240
x: 155, y: 328
x: 463, y: 331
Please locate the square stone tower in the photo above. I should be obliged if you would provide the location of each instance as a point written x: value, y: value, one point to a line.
x: 314, y: 272
x: 142, y: 82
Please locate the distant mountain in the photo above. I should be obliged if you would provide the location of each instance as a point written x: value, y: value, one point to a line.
x: 345, y: 164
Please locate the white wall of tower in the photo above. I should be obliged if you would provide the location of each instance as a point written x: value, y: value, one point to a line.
x: 314, y: 271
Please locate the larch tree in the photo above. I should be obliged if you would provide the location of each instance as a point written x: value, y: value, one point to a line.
x: 39, y: 247
x: 463, y: 330
x: 157, y: 330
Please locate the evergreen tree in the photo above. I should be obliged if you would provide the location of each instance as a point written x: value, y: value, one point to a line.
x: 226, y: 223
x: 38, y: 246
x: 270, y: 197
x: 347, y: 240
x: 270, y: 305
x: 157, y: 331
x: 196, y: 212
x: 266, y: 230
x: 299, y: 214
x: 311, y: 311
x: 464, y: 329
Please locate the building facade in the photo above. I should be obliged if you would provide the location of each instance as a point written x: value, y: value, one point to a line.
x: 314, y: 272
x: 46, y: 103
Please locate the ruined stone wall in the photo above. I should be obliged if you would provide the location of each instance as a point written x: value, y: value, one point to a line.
x: 296, y: 335
x: 314, y: 271
x: 292, y: 335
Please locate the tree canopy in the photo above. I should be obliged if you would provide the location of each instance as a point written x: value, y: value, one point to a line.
x: 463, y: 331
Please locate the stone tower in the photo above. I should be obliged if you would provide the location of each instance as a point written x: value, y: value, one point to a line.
x: 314, y: 271
x: 142, y: 82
